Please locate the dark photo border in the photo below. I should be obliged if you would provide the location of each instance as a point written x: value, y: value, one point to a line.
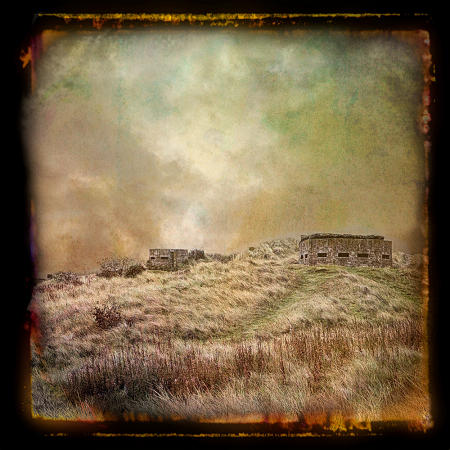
x: 23, y: 23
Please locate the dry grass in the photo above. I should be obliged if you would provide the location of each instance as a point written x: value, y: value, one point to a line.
x: 224, y: 339
x: 355, y: 370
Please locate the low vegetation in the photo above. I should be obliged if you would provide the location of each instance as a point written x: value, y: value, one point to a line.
x: 248, y: 336
x: 120, y: 267
x: 107, y: 316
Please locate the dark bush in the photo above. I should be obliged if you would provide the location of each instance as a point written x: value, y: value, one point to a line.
x: 133, y: 270
x: 219, y: 257
x: 65, y: 277
x: 119, y: 267
x: 107, y: 316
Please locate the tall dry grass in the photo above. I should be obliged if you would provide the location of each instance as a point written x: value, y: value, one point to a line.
x: 254, y: 335
x: 352, y: 369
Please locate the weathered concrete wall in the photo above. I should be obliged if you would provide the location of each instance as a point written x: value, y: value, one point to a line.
x: 167, y: 258
x: 345, y: 250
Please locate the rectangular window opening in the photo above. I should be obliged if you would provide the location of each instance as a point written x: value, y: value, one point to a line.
x: 301, y: 256
x: 363, y: 255
x: 343, y: 255
x: 385, y: 256
x: 322, y: 255
x: 164, y: 257
x: 306, y: 255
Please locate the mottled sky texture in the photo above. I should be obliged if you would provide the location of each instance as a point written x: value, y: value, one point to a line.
x: 220, y: 139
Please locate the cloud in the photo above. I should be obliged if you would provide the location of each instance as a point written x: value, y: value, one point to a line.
x: 220, y: 139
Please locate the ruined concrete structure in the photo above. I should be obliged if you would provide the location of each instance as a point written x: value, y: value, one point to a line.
x: 345, y: 250
x: 172, y: 258
x: 167, y: 258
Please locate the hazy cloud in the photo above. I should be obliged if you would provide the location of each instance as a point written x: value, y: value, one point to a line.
x: 222, y: 138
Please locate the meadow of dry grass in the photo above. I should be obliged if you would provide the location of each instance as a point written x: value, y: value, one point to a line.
x: 223, y: 340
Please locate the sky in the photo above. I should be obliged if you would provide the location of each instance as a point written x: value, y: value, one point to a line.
x: 221, y: 139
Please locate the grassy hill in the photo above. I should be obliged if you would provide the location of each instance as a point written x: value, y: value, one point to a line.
x: 254, y: 336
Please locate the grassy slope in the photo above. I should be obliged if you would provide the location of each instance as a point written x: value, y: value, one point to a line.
x: 213, y: 306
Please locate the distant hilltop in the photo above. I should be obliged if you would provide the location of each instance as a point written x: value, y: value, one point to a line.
x: 314, y: 249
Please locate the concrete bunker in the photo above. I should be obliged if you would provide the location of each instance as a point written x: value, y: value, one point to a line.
x: 172, y: 258
x: 345, y: 250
